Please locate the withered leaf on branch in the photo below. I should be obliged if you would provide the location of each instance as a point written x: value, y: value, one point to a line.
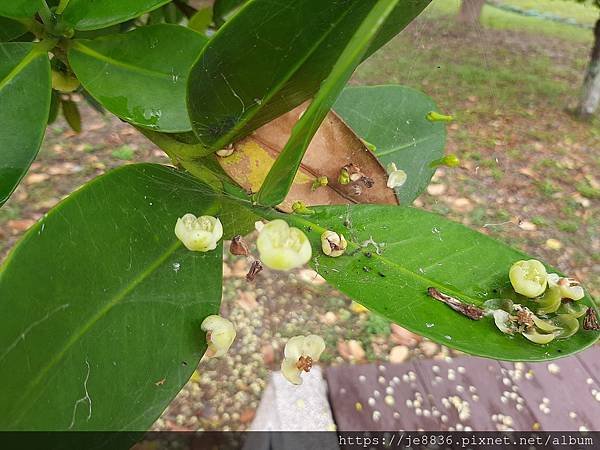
x: 333, y: 147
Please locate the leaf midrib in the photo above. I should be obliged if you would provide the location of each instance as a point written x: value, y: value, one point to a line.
x: 80, y: 47
x: 404, y: 146
x: 426, y: 281
x: 29, y: 57
x: 306, y: 168
x: 89, y: 324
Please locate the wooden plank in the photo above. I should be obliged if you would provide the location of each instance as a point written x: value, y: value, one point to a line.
x: 468, y: 393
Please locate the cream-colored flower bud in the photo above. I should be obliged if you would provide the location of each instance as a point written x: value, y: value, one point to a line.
x: 333, y: 244
x: 282, y: 247
x: 199, y: 234
x: 299, y: 355
x: 220, y: 334
x: 225, y: 152
x: 569, y: 288
x: 528, y: 278
x: 396, y: 177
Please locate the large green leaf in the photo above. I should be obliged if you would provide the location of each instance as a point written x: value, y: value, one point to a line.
x: 271, y: 56
x: 393, y: 118
x: 101, y: 305
x: 91, y: 15
x: 24, y: 106
x: 19, y: 8
x: 282, y: 173
x: 140, y: 76
x: 10, y: 29
x: 421, y: 250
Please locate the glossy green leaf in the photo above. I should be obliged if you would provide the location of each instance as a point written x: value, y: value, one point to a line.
x: 140, y: 76
x: 19, y: 8
x: 393, y: 119
x: 282, y: 173
x: 271, y: 56
x: 24, y: 106
x: 419, y: 250
x: 91, y: 15
x: 10, y: 29
x: 101, y: 305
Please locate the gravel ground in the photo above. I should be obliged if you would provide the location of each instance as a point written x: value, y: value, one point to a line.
x: 224, y: 393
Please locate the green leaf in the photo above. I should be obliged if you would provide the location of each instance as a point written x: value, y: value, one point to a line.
x: 282, y: 173
x: 19, y: 8
x: 10, y: 29
x: 421, y: 250
x: 200, y: 21
x: 222, y: 8
x: 101, y: 305
x: 393, y: 118
x: 72, y: 116
x: 271, y: 56
x: 25, y: 103
x: 140, y: 76
x: 91, y: 15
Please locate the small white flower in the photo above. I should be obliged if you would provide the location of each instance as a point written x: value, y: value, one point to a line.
x: 199, y: 234
x: 528, y: 278
x: 299, y: 355
x: 282, y: 247
x: 396, y: 177
x: 333, y: 244
x: 220, y: 334
x: 569, y: 288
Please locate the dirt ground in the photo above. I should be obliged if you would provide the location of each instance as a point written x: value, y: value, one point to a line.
x: 528, y: 175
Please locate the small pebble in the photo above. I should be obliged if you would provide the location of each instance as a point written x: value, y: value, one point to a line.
x: 553, y: 368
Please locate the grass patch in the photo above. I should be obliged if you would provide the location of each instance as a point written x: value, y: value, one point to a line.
x: 492, y: 17
x: 125, y: 153
x: 587, y: 191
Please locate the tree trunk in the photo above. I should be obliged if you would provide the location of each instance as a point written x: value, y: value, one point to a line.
x: 590, y: 98
x: 470, y: 10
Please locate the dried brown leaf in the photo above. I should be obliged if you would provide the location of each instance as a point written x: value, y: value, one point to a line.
x: 334, y: 146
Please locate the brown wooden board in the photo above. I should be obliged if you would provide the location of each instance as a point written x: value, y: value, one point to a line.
x: 468, y: 393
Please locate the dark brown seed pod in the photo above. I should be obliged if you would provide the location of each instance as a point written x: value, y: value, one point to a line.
x: 255, y: 269
x: 238, y: 246
x: 471, y: 311
x: 590, y: 321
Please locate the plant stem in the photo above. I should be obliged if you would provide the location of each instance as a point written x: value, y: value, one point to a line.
x: 34, y: 27
x: 45, y: 14
x: 62, y: 6
x: 46, y: 45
